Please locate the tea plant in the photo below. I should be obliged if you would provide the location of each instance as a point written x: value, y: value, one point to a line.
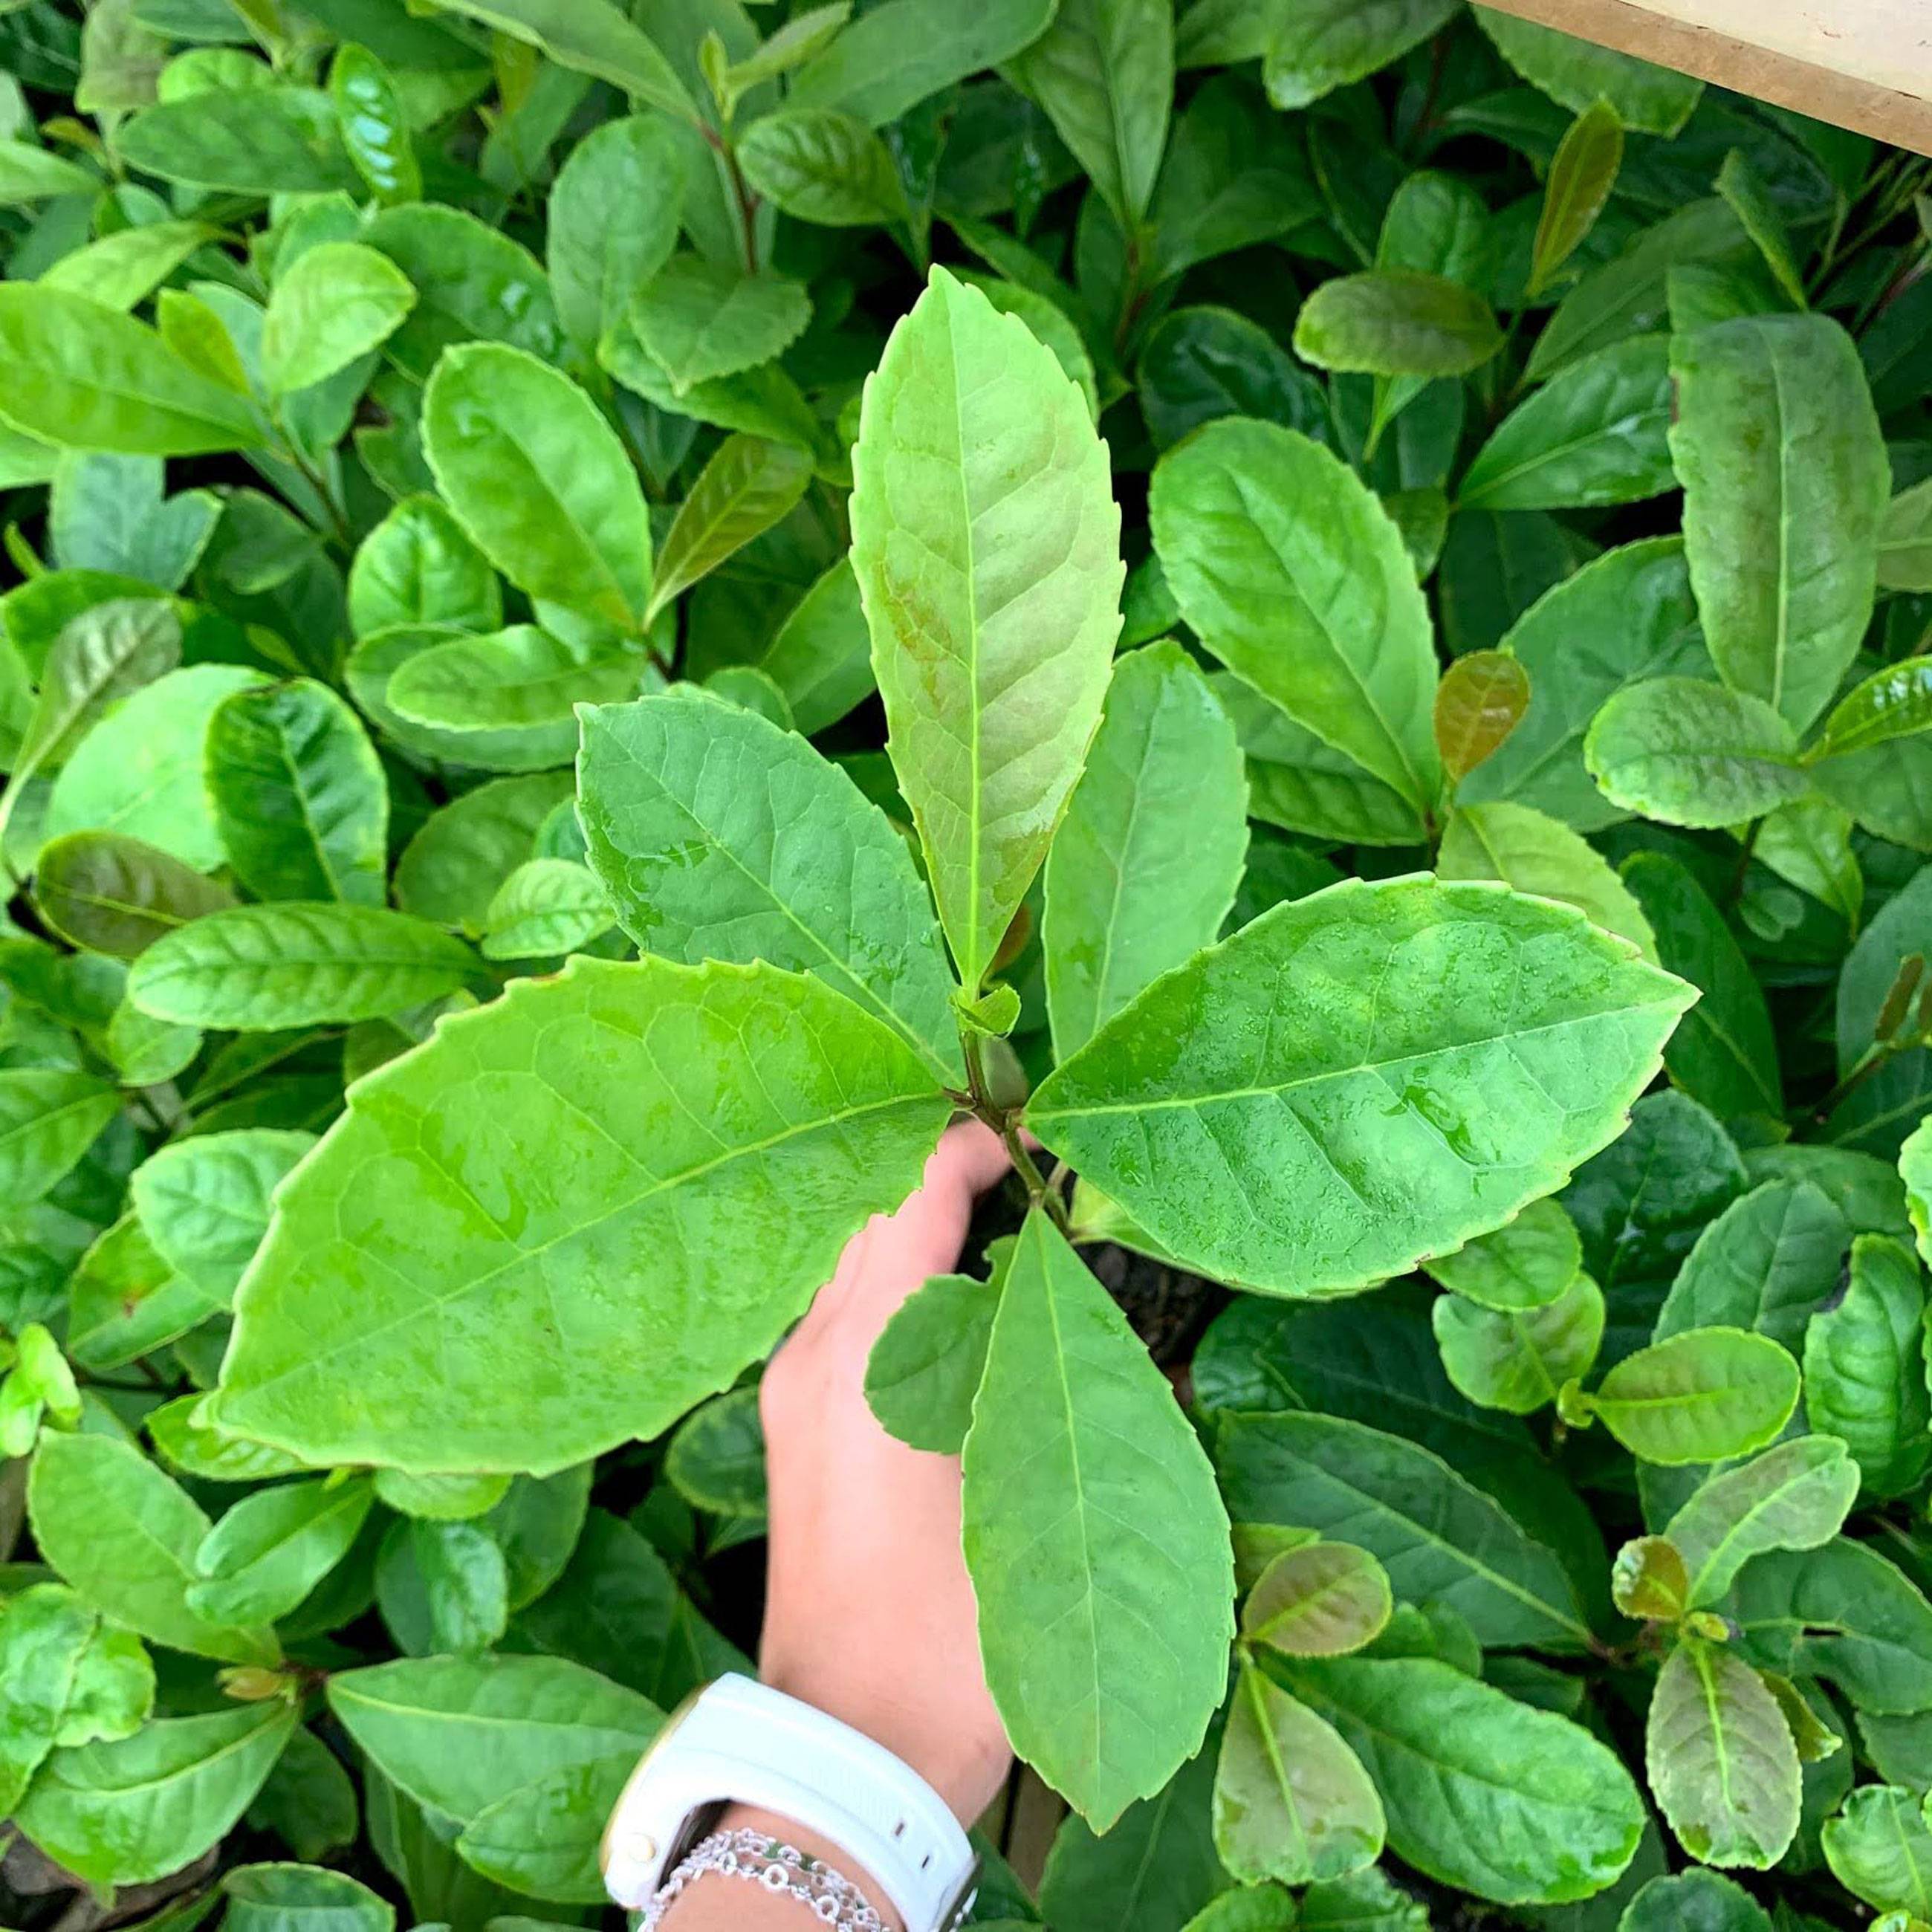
x: 619, y: 614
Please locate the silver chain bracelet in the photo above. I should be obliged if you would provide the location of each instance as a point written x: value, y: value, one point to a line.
x: 780, y: 1869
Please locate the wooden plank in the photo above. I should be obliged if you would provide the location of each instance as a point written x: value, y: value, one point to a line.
x: 1862, y: 64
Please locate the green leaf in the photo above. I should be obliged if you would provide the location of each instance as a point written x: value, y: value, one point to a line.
x: 204, y: 1201
x: 1143, y: 871
x: 281, y: 1898
x: 895, y: 54
x: 1725, y: 1053
x: 121, y: 269
x: 1720, y: 1759
x: 1319, y: 1600
x: 1865, y: 1368
x: 258, y: 967
x: 1369, y: 1902
x: 373, y: 126
x: 589, y: 37
x: 1096, y: 1544
x: 1402, y: 980
x: 1647, y: 99
x: 1527, y: 1263
x: 1879, y: 1849
x: 251, y: 140
x: 1441, y: 1539
x: 718, y: 835
x: 539, y: 481
x: 1785, y: 481
x: 820, y: 657
x: 596, y: 265
x: 522, y: 680
x: 1767, y: 1262
x: 1578, y: 185
x: 1905, y: 541
x: 125, y: 1537
x: 546, y: 1838
x: 823, y: 166
x: 28, y: 173
x: 339, y: 300
x: 1891, y: 704
x: 48, y: 1121
x: 1691, y: 753
x: 1522, y: 848
x: 1649, y: 1579
x: 700, y: 319
x: 452, y: 870
x: 1103, y: 72
x: 1314, y: 50
x: 1703, y: 1395
x: 924, y: 1369
x: 1396, y: 321
x: 545, y: 908
x: 299, y: 796
x: 417, y: 567
x: 1483, y: 1793
x: 1695, y: 1901
x: 460, y: 1734
x: 604, y: 1158
x: 1291, y: 573
x: 1518, y: 1360
x: 1292, y: 1801
x: 1793, y: 1497
x: 84, y: 376
x: 1248, y: 1909
x: 969, y: 551
x: 749, y: 485
x: 125, y: 1812
x: 1750, y: 200
x: 272, y: 1548
x: 1594, y: 435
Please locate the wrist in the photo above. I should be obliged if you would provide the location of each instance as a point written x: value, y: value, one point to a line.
x: 814, y: 1845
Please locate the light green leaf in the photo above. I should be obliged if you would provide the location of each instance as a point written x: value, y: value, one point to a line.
x: 125, y: 1537
x: 1107, y: 1656
x: 451, y: 871
x: 1793, y: 1497
x: 1865, y: 1368
x: 1766, y: 1262
x: 1483, y: 1793
x: 1703, y: 1395
x: 1527, y: 1263
x: 597, y: 264
x: 121, y: 269
x: 1103, y: 71
x: 339, y: 300
x: 719, y: 836
x: 1694, y: 754
x: 895, y: 54
x: 1879, y: 1849
x: 545, y: 1839
x: 258, y: 967
x: 1594, y: 435
x: 1915, y: 1168
x: 30, y: 173
x: 1396, y: 322
x: 759, y: 1107
x: 283, y: 1898
x: 1317, y: 1599
x: 539, y: 480
x: 1522, y: 848
x: 969, y: 549
x: 203, y: 1202
x: 700, y: 319
x: 545, y: 908
x: 1292, y: 1801
x: 1440, y: 1538
x: 272, y: 140
x: 591, y: 37
x: 1143, y: 870
x: 749, y: 485
x: 1292, y: 573
x: 823, y: 166
x: 1247, y: 1909
x: 48, y: 1121
x: 521, y: 680
x: 1893, y: 703
x: 1518, y: 1360
x: 1720, y: 1759
x: 273, y: 1547
x: 1579, y: 184
x: 1577, y: 73
x: 125, y: 1812
x: 1725, y: 1053
x: 418, y: 567
x: 1785, y: 481
x: 1905, y: 541
x: 924, y: 1369
x: 1486, y: 1086
x: 820, y: 657
x: 460, y: 1734
x: 1313, y: 50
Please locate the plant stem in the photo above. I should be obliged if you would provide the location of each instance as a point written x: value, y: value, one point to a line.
x: 741, y: 192
x: 1005, y: 1121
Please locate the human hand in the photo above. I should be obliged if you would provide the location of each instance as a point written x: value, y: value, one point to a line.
x: 869, y: 1614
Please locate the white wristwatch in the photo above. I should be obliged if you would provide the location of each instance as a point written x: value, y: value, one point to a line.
x: 736, y: 1741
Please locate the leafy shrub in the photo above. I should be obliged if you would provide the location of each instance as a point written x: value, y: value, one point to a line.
x: 545, y: 382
